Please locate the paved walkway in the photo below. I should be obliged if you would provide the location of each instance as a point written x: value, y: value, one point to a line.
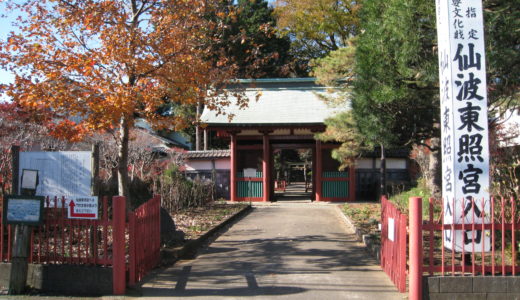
x: 279, y: 251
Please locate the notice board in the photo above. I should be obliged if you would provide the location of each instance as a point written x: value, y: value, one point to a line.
x: 62, y: 173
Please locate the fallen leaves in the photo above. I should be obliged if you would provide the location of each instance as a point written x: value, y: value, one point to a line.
x: 194, y: 222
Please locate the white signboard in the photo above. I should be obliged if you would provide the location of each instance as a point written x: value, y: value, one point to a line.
x: 64, y: 173
x: 29, y: 179
x: 249, y: 172
x: 391, y: 229
x: 465, y: 153
x: 82, y: 207
x: 24, y: 210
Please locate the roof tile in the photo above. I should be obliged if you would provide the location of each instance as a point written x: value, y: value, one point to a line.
x: 208, y: 154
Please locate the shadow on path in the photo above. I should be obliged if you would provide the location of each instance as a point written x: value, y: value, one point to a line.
x: 291, y: 252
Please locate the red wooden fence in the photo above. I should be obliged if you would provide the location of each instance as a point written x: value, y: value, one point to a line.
x: 503, y: 225
x: 60, y: 240
x: 393, y: 243
x: 72, y: 241
x: 427, y: 252
x: 103, y: 242
x: 5, y: 240
x: 145, y: 239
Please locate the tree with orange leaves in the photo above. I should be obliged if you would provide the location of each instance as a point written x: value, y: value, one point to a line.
x: 99, y: 64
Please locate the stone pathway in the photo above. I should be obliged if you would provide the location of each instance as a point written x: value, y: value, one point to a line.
x: 279, y: 251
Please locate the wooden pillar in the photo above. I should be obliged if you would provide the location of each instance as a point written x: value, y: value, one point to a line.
x: 197, y: 125
x: 94, y: 188
x: 205, y: 139
x: 272, y: 174
x: 233, y: 168
x: 352, y: 183
x: 318, y: 168
x: 19, y: 260
x: 313, y: 167
x: 15, y: 164
x: 20, y: 246
x: 266, y: 170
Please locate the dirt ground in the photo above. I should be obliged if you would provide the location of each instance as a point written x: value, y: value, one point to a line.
x: 194, y: 222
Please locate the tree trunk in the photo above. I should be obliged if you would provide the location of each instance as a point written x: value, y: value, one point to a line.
x: 435, y: 172
x: 197, y: 129
x: 122, y: 162
x: 383, y: 171
x: 305, y: 172
x: 205, y: 139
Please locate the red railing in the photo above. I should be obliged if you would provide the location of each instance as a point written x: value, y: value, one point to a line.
x: 393, y: 243
x: 428, y: 253
x: 501, y: 228
x: 145, y: 239
x: 5, y: 240
x: 60, y: 240
x: 280, y: 185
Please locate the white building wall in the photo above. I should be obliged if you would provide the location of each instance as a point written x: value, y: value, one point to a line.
x: 199, y: 164
x: 223, y: 164
x: 391, y: 163
x: 364, y: 163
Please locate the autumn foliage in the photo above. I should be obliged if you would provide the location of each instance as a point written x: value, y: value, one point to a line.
x: 21, y: 128
x: 104, y: 60
x: 100, y: 64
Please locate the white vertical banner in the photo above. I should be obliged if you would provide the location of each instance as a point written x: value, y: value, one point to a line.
x: 464, y: 130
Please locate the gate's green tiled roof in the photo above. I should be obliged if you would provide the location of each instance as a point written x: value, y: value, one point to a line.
x: 293, y: 101
x: 208, y: 154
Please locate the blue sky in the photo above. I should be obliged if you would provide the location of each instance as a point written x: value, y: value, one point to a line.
x: 5, y: 28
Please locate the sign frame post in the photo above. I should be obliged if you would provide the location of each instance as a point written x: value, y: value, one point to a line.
x: 27, y: 212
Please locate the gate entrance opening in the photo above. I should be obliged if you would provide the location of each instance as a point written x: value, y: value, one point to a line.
x: 293, y: 174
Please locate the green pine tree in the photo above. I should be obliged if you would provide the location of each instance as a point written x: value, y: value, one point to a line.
x: 250, y: 41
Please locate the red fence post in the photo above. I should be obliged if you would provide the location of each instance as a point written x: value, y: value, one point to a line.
x: 132, y: 235
x: 118, y: 246
x: 266, y: 168
x: 157, y: 230
x: 402, y: 252
x: 319, y: 169
x: 352, y: 184
x: 415, y: 280
x: 233, y: 168
x: 2, y: 256
x: 384, y: 233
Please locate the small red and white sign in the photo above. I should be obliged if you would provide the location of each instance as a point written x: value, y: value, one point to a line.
x: 83, y: 207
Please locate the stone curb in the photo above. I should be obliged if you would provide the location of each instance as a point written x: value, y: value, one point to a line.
x: 189, y: 250
x: 367, y: 239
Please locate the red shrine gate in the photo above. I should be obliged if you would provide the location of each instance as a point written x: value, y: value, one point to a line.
x: 250, y: 151
x: 281, y: 114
